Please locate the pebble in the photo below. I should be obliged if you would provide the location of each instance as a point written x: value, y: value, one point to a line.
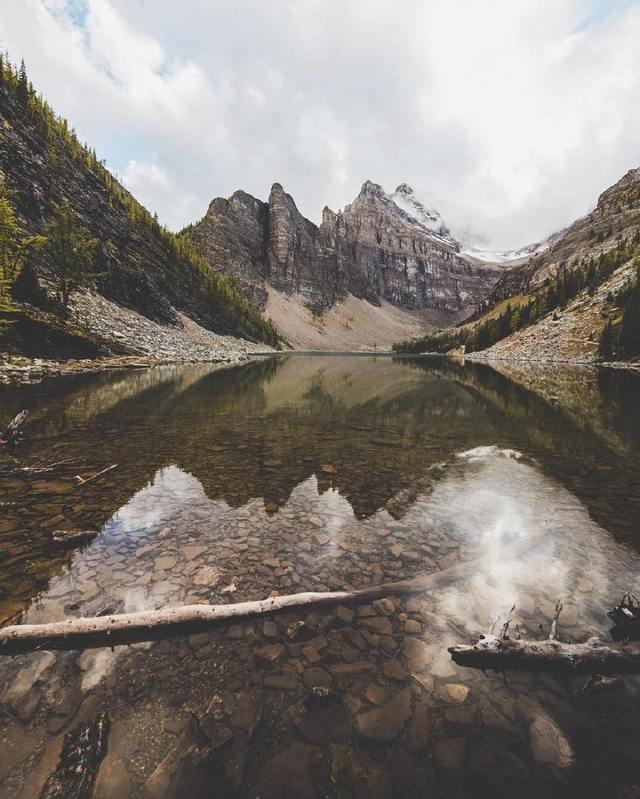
x: 452, y: 693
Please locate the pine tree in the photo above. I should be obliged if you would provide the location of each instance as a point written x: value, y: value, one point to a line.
x: 607, y: 337
x: 70, y: 251
x: 630, y: 328
x: 23, y: 83
x: 14, y: 250
x: 8, y: 250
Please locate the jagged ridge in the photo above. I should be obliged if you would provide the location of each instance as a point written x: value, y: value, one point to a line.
x: 375, y: 250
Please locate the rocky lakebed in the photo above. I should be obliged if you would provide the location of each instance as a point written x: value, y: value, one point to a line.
x: 299, y: 473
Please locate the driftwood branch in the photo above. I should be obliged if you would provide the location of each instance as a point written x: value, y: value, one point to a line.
x: 83, y: 480
x: 128, y: 628
x: 12, y: 431
x: 553, y: 634
x: 593, y: 657
x: 71, y: 538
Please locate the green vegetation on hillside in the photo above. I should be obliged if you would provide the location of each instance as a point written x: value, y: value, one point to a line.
x: 14, y: 251
x: 620, y: 337
x: 9, y: 252
x: 216, y: 291
x: 553, y: 295
x: 70, y: 253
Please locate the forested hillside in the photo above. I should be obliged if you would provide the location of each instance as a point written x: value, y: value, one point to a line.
x: 579, y: 299
x: 135, y: 261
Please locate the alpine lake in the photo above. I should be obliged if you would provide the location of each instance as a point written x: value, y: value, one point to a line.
x: 297, y: 473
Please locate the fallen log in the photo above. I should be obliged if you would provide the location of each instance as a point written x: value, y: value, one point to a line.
x: 71, y: 538
x: 151, y: 625
x: 593, y: 657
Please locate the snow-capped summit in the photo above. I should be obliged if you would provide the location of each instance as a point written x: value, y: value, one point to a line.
x: 405, y: 198
x: 424, y: 217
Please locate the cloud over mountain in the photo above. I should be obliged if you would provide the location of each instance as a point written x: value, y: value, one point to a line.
x: 509, y: 117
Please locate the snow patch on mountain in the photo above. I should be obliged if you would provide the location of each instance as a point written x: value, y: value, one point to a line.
x: 504, y: 256
x: 428, y: 219
x: 404, y: 197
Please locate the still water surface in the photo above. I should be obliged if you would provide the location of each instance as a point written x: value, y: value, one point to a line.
x: 322, y: 472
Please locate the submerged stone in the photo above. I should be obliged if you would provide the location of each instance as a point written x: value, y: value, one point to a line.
x: 386, y: 722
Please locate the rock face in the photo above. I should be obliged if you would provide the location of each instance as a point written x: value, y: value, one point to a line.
x: 296, y: 261
x: 406, y: 262
x: 381, y: 247
x: 234, y: 239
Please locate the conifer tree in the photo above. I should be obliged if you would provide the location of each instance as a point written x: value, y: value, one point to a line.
x: 69, y: 250
x: 630, y: 328
x: 14, y: 250
x: 23, y: 83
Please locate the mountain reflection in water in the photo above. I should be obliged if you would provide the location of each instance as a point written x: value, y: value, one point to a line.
x: 317, y: 473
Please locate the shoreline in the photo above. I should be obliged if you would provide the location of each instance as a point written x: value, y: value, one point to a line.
x: 28, y: 371
x: 20, y: 370
x: 587, y: 363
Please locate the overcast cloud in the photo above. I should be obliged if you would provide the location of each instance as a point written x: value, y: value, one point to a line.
x: 510, y: 117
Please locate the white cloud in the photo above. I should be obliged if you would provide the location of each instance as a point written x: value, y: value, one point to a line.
x: 511, y: 116
x: 153, y: 187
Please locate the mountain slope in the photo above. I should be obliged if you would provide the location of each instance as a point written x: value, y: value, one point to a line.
x: 557, y: 304
x: 140, y: 264
x: 616, y: 216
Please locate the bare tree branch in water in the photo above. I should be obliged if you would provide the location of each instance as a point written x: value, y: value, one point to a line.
x: 12, y: 432
x: 595, y: 657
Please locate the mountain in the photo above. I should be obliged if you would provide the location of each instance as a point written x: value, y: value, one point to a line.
x: 140, y: 266
x: 577, y: 298
x: 385, y: 250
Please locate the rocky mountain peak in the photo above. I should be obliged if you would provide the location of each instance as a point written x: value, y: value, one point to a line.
x: 329, y: 216
x: 371, y: 189
x: 406, y: 199
x: 405, y: 189
x: 628, y: 187
x: 278, y: 196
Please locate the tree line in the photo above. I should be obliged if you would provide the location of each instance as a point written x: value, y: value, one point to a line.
x: 620, y: 337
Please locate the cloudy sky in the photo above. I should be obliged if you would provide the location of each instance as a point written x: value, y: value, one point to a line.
x: 510, y: 117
